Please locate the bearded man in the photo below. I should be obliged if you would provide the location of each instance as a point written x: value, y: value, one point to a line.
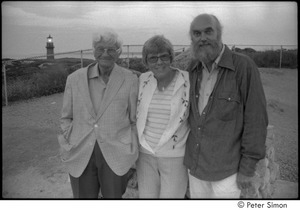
x: 228, y: 116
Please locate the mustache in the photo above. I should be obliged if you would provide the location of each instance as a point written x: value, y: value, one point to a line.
x: 202, y: 44
x: 199, y: 47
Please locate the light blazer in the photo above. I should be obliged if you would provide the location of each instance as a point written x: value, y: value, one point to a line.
x: 173, y: 139
x: 114, y: 127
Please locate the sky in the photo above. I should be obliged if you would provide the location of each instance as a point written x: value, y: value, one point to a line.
x: 27, y: 24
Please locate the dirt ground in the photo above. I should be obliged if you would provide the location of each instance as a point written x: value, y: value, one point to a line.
x: 32, y: 168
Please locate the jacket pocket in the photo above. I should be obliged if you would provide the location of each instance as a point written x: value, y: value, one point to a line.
x: 64, y: 144
x: 124, y: 135
x: 227, y: 105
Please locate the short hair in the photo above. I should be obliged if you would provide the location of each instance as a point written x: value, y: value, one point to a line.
x: 107, y: 36
x: 218, y: 24
x: 157, y: 44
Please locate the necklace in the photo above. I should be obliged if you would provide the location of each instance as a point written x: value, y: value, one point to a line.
x: 165, y: 83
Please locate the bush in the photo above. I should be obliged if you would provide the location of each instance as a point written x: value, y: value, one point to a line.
x: 26, y: 80
x: 271, y: 58
x: 289, y: 59
x: 17, y: 90
x: 50, y: 81
x: 137, y: 64
x: 42, y: 83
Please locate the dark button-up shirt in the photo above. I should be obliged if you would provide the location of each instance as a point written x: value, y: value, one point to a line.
x: 229, y: 136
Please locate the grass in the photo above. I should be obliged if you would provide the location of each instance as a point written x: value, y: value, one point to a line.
x: 25, y: 81
x: 46, y: 82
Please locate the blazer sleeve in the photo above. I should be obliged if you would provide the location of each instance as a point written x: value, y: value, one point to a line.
x: 67, y: 111
x: 132, y: 105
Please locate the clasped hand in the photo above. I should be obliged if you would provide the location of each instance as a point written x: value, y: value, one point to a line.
x: 244, y: 182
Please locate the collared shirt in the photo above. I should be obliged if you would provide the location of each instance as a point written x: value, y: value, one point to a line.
x: 208, y: 82
x: 97, y: 87
x: 159, y: 114
x: 230, y: 137
x: 173, y: 138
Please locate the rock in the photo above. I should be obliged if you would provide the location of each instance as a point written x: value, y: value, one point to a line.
x: 266, y: 191
x: 274, y: 172
x: 261, y: 167
x: 270, y: 153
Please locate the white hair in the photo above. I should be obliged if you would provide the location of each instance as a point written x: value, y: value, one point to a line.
x: 107, y: 36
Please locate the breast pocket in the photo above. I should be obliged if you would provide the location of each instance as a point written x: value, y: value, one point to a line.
x: 227, y: 105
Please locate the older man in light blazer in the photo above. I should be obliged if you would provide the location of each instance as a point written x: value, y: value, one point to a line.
x: 98, y: 142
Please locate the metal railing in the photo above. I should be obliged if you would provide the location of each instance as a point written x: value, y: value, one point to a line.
x: 131, y: 51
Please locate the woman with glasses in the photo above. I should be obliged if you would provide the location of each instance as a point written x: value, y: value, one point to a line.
x: 162, y: 111
x: 99, y: 139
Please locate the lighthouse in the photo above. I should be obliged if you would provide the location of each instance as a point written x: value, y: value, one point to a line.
x: 50, y: 48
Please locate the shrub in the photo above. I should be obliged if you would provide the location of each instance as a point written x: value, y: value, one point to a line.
x: 46, y: 82
x: 290, y: 59
x: 17, y: 90
x: 50, y: 81
x: 26, y: 80
x: 137, y: 64
x: 271, y: 58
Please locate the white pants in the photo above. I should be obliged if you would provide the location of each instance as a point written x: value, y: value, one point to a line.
x: 225, y: 188
x: 161, y: 177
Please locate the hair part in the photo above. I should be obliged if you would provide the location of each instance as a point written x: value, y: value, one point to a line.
x: 157, y: 44
x: 107, y: 36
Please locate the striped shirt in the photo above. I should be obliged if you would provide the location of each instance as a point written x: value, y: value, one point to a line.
x: 159, y: 114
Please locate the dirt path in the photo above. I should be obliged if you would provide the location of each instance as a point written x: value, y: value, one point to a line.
x: 32, y: 169
x: 282, y: 97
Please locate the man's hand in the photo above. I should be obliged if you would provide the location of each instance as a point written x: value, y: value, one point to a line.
x: 244, y: 182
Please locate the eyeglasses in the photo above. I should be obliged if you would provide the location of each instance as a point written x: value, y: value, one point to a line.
x: 110, y: 51
x: 154, y: 59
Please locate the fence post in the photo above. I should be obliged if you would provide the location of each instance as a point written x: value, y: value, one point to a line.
x: 81, y: 59
x: 128, y: 56
x: 5, y: 86
x: 280, y: 61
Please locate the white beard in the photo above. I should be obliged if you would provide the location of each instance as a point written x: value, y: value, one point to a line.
x: 206, y: 53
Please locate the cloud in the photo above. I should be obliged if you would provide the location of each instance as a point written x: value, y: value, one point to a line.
x: 16, y: 16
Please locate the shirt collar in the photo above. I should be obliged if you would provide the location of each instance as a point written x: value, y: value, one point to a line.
x: 93, y: 72
x: 217, y: 60
x: 225, y: 61
x: 220, y: 55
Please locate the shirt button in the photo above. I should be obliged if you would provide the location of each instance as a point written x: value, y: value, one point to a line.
x: 199, y: 128
x: 96, y: 126
x: 197, y: 145
x: 229, y: 99
x: 197, y: 96
x: 203, y: 112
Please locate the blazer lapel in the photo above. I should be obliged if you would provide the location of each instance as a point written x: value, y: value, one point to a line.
x: 116, y: 80
x: 83, y: 87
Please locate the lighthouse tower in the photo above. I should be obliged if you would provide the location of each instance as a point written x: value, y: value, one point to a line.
x: 50, y: 48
